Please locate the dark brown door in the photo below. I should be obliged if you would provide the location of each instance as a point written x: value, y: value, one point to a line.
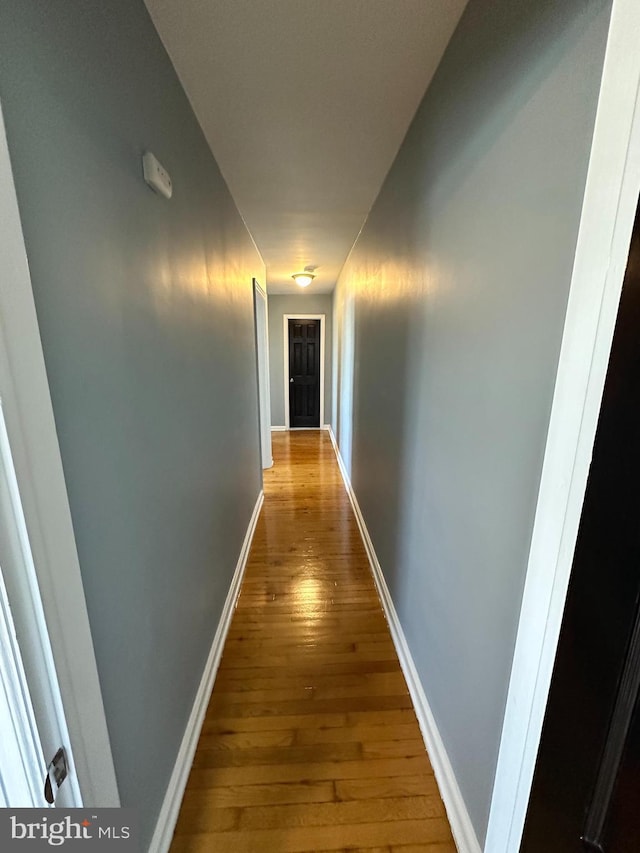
x: 586, y: 789
x: 304, y: 373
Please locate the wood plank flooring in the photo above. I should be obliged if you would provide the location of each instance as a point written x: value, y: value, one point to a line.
x: 310, y: 742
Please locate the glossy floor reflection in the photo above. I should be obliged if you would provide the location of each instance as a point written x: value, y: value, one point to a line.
x: 310, y: 741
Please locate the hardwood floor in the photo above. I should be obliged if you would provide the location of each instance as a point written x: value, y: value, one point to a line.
x: 310, y: 742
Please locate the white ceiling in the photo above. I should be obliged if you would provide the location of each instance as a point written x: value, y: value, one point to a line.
x: 304, y: 104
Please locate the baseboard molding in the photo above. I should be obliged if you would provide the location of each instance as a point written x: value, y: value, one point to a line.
x: 461, y: 826
x: 343, y: 470
x: 170, y: 809
x: 285, y: 428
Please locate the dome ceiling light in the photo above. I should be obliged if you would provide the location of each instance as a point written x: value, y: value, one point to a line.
x: 304, y: 279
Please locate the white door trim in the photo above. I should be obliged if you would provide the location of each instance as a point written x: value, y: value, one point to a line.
x: 611, y: 196
x: 285, y: 325
x: 261, y: 317
x: 39, y: 708
x: 36, y: 458
x: 22, y: 764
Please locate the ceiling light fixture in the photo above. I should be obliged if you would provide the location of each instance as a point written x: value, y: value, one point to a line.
x: 304, y: 279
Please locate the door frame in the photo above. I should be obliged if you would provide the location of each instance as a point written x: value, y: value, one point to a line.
x: 608, y: 212
x: 285, y: 323
x: 21, y: 754
x: 261, y: 324
x: 60, y: 621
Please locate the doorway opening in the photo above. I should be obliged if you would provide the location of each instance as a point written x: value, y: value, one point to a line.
x: 588, y: 765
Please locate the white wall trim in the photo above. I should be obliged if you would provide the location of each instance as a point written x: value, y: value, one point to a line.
x: 611, y: 196
x: 261, y: 324
x: 170, y: 809
x: 285, y: 348
x: 461, y: 826
x: 278, y: 429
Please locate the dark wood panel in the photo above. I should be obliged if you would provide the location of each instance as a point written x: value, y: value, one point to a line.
x: 304, y: 373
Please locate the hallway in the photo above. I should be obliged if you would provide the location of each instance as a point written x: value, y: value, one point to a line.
x: 310, y: 742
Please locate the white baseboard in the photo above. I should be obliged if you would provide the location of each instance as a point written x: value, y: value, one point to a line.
x: 461, y: 826
x: 284, y: 428
x: 343, y: 470
x: 170, y: 809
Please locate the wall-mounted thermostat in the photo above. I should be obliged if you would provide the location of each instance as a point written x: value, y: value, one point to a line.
x: 156, y: 175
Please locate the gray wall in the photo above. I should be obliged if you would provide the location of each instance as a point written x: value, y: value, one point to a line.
x: 146, y: 317
x: 305, y: 303
x: 449, y: 316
